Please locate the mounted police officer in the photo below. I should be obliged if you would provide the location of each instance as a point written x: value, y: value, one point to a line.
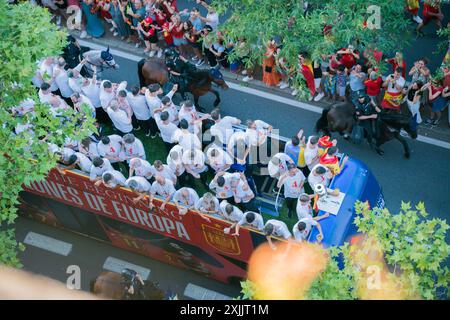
x: 179, y: 69
x: 367, y: 116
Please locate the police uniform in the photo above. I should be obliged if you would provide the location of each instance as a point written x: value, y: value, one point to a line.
x: 366, y: 108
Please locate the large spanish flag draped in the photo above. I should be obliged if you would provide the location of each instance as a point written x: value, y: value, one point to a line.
x: 307, y: 71
x: 392, y: 100
x: 331, y: 163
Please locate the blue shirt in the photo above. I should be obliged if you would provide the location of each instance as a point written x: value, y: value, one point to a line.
x: 197, y: 23
x: 141, y: 12
x: 292, y: 151
x: 357, y: 83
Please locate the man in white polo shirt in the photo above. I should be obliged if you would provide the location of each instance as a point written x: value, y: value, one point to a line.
x: 218, y: 159
x: 112, y: 179
x: 244, y: 197
x: 252, y: 220
x: 194, y: 164
x: 99, y: 166
x: 137, y: 102
x: 302, y: 228
x: 132, y: 147
x: 276, y: 228
x: 154, y: 102
x: 140, y: 168
x: 319, y: 175
x: 164, y: 188
x: 184, y: 138
x: 77, y: 159
x: 110, y: 147
x: 166, y: 128
x: 139, y: 185
x: 120, y: 119
x: 292, y: 181
x: 278, y: 165
x: 223, y: 127
x: 223, y: 184
x: 163, y: 170
x: 185, y: 199
x: 230, y: 213
x: 175, y: 162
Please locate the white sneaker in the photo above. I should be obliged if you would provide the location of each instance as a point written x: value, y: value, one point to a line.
x: 295, y: 92
x: 115, y: 34
x: 283, y: 85
x: 160, y: 53
x: 137, y: 45
x: 112, y: 29
x: 83, y: 34
x: 244, y: 73
x: 319, y: 96
x: 247, y: 79
x: 152, y: 53
x: 311, y: 98
x: 417, y: 19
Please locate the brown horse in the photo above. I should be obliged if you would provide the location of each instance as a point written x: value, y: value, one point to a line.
x: 155, y: 71
x: 109, y: 285
x: 341, y: 118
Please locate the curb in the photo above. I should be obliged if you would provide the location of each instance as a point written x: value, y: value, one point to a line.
x: 439, y: 133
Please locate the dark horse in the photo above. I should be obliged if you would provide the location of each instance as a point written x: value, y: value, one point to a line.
x: 199, y: 82
x: 341, y: 118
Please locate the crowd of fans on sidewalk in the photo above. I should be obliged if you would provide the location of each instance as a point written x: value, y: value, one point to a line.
x: 158, y: 24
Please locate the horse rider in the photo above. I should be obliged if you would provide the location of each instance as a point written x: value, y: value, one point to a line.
x: 179, y: 68
x: 133, y: 284
x: 367, y: 116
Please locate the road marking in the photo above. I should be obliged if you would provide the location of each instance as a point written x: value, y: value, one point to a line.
x: 47, y: 243
x: 117, y: 265
x: 199, y: 293
x: 259, y: 93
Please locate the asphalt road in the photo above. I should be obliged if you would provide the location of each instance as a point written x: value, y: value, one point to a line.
x: 423, y: 177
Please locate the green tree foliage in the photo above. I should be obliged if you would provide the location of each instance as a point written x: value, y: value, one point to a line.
x: 414, y: 249
x: 27, y: 36
x: 351, y: 21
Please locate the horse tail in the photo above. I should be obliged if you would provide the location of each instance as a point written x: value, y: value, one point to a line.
x: 322, y: 123
x: 141, y: 76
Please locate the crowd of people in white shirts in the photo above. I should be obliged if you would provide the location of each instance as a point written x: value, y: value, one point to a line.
x: 230, y: 158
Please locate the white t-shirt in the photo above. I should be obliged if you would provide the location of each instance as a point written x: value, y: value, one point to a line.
x: 277, y: 170
x: 66, y: 153
x: 92, y: 151
x: 241, y: 194
x: 293, y: 187
x: 120, y: 120
x: 62, y: 81
x: 113, y: 149
x: 92, y: 91
x: 303, y: 235
x: 118, y: 178
x: 186, y: 139
x: 279, y: 229
x: 75, y: 83
x: 167, y: 130
x: 233, y: 142
x: 85, y: 100
x: 98, y: 171
x: 322, y: 179
x: 45, y: 98
x: 213, y: 20
x: 84, y: 163
x: 190, y: 116
x: 258, y: 223
x: 173, y: 113
x: 176, y: 165
x: 203, y: 206
x: 303, y: 210
x: 221, y: 161
x: 143, y: 184
x: 197, y: 164
x: 310, y: 154
x: 155, y: 102
x: 258, y: 136
x: 139, y: 106
x: 163, y: 190
x: 144, y: 170
x: 391, y: 85
x: 226, y: 191
x: 224, y: 128
x: 134, y: 150
x: 166, y: 172
x: 235, y: 216
x: 188, y: 202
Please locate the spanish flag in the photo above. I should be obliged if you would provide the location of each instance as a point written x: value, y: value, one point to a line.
x: 392, y: 100
x: 307, y: 71
x: 331, y: 163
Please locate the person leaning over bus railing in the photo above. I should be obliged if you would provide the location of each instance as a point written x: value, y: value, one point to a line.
x: 99, y: 166
x: 276, y: 228
x: 112, y: 179
x: 185, y: 200
x: 208, y: 204
x: 162, y: 187
x: 303, y: 227
x: 252, y: 220
x: 138, y: 185
x: 230, y: 213
x: 75, y: 160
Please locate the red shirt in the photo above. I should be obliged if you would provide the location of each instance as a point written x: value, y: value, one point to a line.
x: 429, y: 8
x: 348, y: 60
x: 167, y: 35
x: 160, y: 20
x: 434, y: 90
x: 373, y: 86
x: 176, y: 33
